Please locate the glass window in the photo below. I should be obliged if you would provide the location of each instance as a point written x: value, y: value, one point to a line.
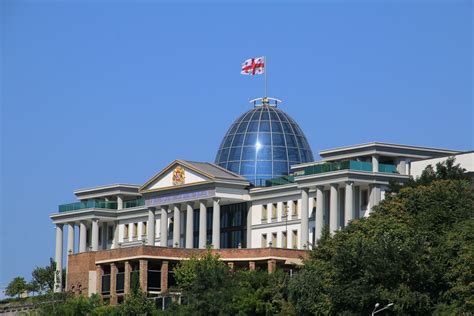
x: 248, y: 153
x: 274, y: 116
x: 250, y: 139
x: 243, y: 127
x: 228, y: 141
x: 276, y: 127
x: 264, y: 153
x: 235, y: 153
x: 287, y: 128
x: 280, y: 167
x: 264, y: 240
x: 265, y: 116
x: 301, y: 143
x: 264, y: 167
x: 233, y: 128
x: 224, y: 155
x: 279, y: 153
x: 248, y: 167
x: 264, y: 126
x: 284, y: 242
x: 264, y: 138
x: 238, y: 140
x: 290, y: 140
x: 278, y: 139
x: 248, y: 115
x: 264, y: 212
x: 293, y: 154
x: 253, y: 126
x: 233, y: 166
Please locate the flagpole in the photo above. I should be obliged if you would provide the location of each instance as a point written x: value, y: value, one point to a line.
x: 265, y: 70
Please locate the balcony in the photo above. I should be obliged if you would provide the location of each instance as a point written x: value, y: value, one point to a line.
x: 110, y: 205
x: 347, y: 165
x: 134, y: 203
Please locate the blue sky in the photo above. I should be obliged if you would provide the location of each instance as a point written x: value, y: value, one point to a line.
x: 100, y: 92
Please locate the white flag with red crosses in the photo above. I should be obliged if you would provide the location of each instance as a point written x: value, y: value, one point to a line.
x: 253, y: 66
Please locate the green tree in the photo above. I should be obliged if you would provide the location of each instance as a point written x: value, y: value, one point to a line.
x: 16, y: 287
x: 137, y: 304
x: 43, y: 277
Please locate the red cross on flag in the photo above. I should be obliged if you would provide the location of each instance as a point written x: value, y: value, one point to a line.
x: 253, y: 66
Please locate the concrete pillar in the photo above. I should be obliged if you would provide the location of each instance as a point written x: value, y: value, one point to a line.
x: 402, y: 166
x: 252, y: 265
x: 119, y: 202
x: 333, y: 208
x: 375, y: 196
x: 271, y: 264
x: 150, y: 237
x: 249, y: 225
x: 127, y: 277
x: 164, y: 227
x: 144, y: 275
x: 189, y: 225
x: 104, y: 236
x: 59, y: 259
x: 113, y: 283
x: 216, y: 224
x: 202, y: 224
x: 95, y: 234
x: 164, y: 276
x: 70, y: 238
x: 176, y: 226
x: 115, y: 242
x: 319, y: 212
x: 82, y: 236
x: 349, y: 204
x: 375, y: 163
x: 99, y: 274
x: 304, y: 218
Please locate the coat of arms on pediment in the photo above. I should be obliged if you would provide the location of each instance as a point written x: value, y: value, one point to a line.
x: 178, y: 176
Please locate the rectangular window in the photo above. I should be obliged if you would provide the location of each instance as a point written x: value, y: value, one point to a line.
x: 295, y: 209
x: 264, y: 240
x: 125, y: 232
x: 135, y: 230
x: 364, y: 198
x: 274, y: 211
x: 110, y: 234
x: 284, y: 241
x: 285, y: 210
x: 294, y: 239
x: 144, y: 228
x: 274, y: 240
x: 264, y: 212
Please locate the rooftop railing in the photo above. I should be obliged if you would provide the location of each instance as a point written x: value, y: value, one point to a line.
x: 347, y: 165
x: 111, y: 205
x: 134, y: 203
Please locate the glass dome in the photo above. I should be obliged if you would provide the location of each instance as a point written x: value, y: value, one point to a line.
x: 262, y: 144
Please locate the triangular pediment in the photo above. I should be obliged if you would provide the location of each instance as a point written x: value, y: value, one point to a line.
x: 177, y: 174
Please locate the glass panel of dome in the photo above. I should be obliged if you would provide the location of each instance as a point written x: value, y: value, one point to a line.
x: 247, y: 116
x: 280, y: 167
x: 274, y: 116
x: 235, y: 153
x: 290, y: 140
x: 233, y: 129
x: 248, y: 153
x: 278, y: 139
x: 264, y: 139
x: 224, y: 155
x: 238, y: 140
x: 279, y: 153
x: 276, y: 127
x: 264, y: 126
x: 253, y: 126
x: 264, y: 153
x: 247, y: 167
x: 293, y: 154
x: 300, y: 142
x: 264, y: 168
x: 233, y: 166
x: 242, y: 127
x: 250, y: 139
x: 228, y: 141
x: 287, y: 128
x: 265, y: 116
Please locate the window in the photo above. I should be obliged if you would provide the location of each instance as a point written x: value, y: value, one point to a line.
x: 295, y: 209
x: 294, y: 239
x: 364, y: 198
x: 125, y: 232
x: 135, y: 230
x: 274, y: 211
x: 110, y: 234
x: 264, y: 212
x: 264, y: 240
x: 285, y: 210
x: 274, y: 240
x: 284, y: 241
x: 144, y: 229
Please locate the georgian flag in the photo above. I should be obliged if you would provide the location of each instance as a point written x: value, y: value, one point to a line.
x: 253, y: 66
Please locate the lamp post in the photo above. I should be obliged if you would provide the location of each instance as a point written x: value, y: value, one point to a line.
x: 375, y: 311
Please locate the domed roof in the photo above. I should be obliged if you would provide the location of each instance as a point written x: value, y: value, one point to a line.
x: 262, y: 144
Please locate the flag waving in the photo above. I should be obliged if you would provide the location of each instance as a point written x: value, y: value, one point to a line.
x: 253, y: 66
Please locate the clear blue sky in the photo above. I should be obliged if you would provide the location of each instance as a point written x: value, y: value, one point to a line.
x: 98, y: 92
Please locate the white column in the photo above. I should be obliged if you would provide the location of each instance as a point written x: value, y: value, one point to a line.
x: 304, y: 218
x: 58, y: 258
x: 82, y: 236
x: 150, y: 233
x: 119, y: 202
x: 176, y: 226
x: 116, y: 235
x: 402, y: 166
x: 249, y: 225
x: 70, y: 238
x: 189, y: 224
x: 374, y: 196
x: 375, y: 163
x: 216, y: 224
x: 333, y: 208
x: 95, y: 234
x: 164, y: 227
x: 202, y: 224
x: 319, y: 212
x: 348, y: 204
